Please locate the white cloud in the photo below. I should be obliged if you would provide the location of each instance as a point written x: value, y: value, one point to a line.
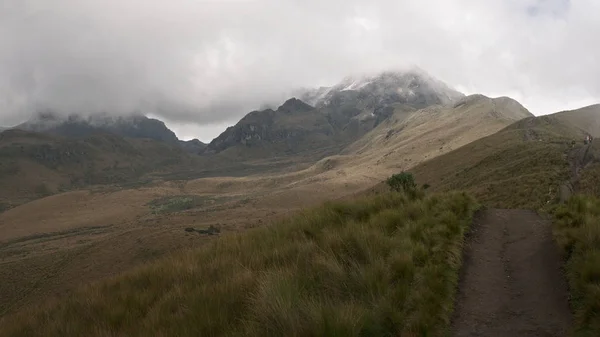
x: 210, y: 62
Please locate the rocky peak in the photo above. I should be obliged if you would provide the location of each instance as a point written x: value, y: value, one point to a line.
x: 294, y: 105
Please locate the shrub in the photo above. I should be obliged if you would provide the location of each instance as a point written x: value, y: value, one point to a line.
x: 402, y: 182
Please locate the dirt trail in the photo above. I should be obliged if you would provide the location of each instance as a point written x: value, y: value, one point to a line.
x: 511, y: 282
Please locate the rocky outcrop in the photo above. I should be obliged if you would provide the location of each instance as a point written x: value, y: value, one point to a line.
x: 289, y: 124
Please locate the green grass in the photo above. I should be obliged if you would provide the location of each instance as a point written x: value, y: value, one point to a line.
x: 175, y: 204
x: 383, y: 265
x: 577, y: 231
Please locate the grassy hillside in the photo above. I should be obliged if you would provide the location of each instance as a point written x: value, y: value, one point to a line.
x: 34, y: 165
x: 409, y: 137
x: 378, y: 266
x: 585, y: 118
x: 521, y: 166
x: 577, y: 231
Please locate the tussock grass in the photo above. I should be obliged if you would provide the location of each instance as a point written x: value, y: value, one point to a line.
x: 384, y: 265
x: 577, y: 231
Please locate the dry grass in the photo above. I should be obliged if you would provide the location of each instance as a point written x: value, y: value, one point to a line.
x: 507, y: 170
x: 577, y: 231
x: 380, y: 266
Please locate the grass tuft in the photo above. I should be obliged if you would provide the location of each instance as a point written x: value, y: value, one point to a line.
x: 577, y: 232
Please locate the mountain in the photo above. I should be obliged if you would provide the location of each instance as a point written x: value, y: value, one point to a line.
x: 130, y: 126
x: 35, y: 164
x: 331, y: 118
x: 293, y: 127
x: 192, y: 146
x: 133, y: 126
x: 414, y: 88
x: 409, y: 137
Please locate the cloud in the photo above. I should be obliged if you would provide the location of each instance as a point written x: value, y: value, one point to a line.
x: 199, y: 63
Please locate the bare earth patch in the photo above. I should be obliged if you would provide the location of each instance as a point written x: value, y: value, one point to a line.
x: 512, y: 282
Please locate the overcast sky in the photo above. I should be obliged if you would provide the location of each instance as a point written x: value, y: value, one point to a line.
x: 200, y: 65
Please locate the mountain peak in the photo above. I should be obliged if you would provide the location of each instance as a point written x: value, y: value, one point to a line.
x: 413, y: 87
x: 294, y: 105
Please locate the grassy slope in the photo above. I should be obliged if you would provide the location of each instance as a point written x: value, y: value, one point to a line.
x: 34, y: 165
x: 382, y: 265
x: 585, y: 118
x: 577, y: 231
x: 411, y: 137
x: 509, y: 169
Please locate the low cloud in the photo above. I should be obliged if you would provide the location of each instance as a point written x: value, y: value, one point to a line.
x: 202, y: 63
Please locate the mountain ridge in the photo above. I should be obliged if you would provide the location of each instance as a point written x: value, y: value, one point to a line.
x: 129, y: 126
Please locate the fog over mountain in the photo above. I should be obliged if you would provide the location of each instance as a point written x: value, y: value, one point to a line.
x: 202, y: 65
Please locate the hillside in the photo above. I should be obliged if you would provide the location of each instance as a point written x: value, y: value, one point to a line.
x: 128, y: 126
x: 34, y: 165
x: 522, y: 165
x: 192, y: 146
x: 347, y: 269
x: 586, y: 118
x: 409, y: 137
x: 134, y: 126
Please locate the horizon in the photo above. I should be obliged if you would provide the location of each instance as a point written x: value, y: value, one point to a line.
x: 207, y: 133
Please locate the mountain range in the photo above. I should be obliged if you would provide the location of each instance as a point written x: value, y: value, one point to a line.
x: 130, y: 126
x: 332, y: 116
x: 376, y: 123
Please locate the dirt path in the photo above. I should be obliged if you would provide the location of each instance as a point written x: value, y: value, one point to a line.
x: 511, y: 283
